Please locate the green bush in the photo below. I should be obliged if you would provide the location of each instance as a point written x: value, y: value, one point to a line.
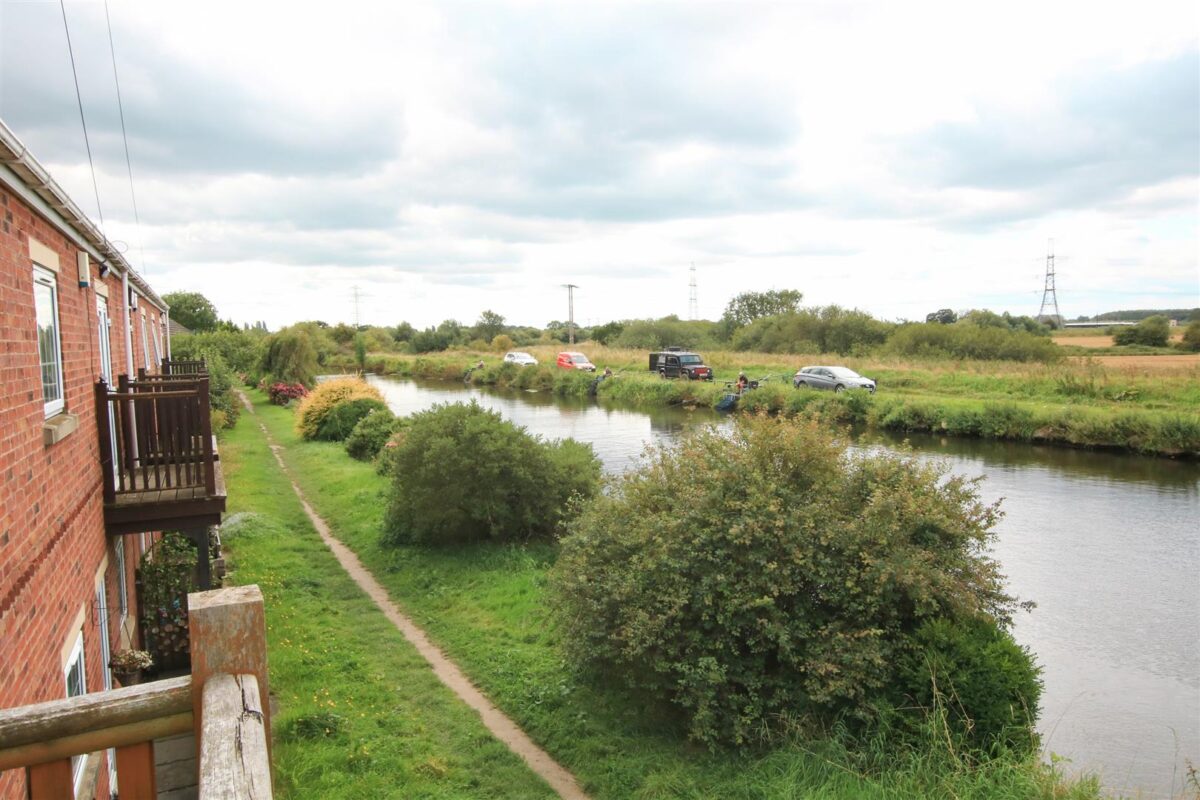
x: 967, y: 341
x: 763, y: 574
x: 984, y: 684
x: 1150, y: 332
x: 344, y: 416
x: 321, y: 401
x: 1191, y: 337
x: 462, y: 473
x: 370, y: 434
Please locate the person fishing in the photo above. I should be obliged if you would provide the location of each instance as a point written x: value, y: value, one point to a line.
x: 743, y: 382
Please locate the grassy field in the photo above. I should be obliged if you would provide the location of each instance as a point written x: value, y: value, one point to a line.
x: 1155, y: 410
x: 360, y: 713
x: 484, y: 606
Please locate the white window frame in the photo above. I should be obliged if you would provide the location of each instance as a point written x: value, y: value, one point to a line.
x: 122, y: 588
x: 154, y: 340
x: 145, y: 344
x: 45, y: 278
x: 76, y: 662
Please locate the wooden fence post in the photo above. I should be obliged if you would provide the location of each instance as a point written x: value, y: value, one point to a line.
x: 135, y: 771
x: 228, y: 633
x: 51, y: 780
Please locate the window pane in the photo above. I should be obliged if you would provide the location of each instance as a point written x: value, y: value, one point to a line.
x: 48, y: 351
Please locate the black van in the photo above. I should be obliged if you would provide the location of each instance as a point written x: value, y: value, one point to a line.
x: 677, y: 363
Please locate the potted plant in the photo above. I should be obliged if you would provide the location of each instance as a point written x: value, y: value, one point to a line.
x: 128, y: 665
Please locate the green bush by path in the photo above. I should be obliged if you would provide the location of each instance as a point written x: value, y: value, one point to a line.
x: 462, y: 472
x: 341, y: 419
x: 370, y: 434
x: 759, y: 578
x: 321, y: 401
x: 485, y: 605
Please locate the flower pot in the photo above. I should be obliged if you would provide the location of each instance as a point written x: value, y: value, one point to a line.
x: 129, y: 678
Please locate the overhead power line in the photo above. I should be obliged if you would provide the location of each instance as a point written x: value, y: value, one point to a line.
x: 83, y: 121
x: 124, y: 138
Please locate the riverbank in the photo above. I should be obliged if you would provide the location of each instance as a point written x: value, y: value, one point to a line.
x: 1151, y: 412
x: 484, y: 606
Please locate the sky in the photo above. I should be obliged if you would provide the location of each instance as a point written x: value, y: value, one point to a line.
x: 447, y: 158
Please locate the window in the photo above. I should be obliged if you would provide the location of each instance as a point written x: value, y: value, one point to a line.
x: 145, y: 345
x: 122, y: 591
x: 157, y: 345
x: 45, y: 297
x: 76, y: 686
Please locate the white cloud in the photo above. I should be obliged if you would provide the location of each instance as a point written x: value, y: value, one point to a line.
x: 452, y: 157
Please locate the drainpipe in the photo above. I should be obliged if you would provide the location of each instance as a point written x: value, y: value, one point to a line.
x: 166, y: 317
x: 128, y: 327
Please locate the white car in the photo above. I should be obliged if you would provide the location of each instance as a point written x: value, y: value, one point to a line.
x: 519, y: 358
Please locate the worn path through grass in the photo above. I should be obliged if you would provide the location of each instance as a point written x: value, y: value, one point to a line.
x: 361, y: 715
x: 446, y: 671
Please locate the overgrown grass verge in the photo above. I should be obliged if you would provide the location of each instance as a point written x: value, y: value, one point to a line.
x: 360, y: 713
x: 485, y: 605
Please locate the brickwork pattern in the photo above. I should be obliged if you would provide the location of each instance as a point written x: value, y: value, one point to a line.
x: 52, y: 537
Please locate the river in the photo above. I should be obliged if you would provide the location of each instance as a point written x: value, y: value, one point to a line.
x: 1108, y: 546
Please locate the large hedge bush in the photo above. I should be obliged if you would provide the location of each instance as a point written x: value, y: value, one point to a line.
x: 370, y: 434
x: 965, y: 340
x: 341, y: 419
x: 322, y: 400
x: 461, y: 472
x: 763, y: 574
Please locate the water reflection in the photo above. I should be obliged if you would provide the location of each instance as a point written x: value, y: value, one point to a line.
x: 1107, y: 545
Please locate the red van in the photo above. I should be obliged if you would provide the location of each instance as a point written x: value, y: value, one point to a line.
x: 571, y: 360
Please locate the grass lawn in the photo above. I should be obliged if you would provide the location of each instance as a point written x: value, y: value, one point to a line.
x: 484, y: 606
x: 360, y: 713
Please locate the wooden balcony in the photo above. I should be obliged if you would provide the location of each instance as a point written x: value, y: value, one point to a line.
x: 223, y: 704
x: 158, y: 455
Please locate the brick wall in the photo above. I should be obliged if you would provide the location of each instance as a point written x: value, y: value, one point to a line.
x: 53, y: 545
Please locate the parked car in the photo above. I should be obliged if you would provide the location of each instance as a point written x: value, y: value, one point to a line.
x: 519, y: 358
x: 572, y: 360
x: 838, y: 379
x: 676, y: 363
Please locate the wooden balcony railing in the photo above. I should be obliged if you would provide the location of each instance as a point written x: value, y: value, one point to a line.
x: 178, y: 366
x: 157, y: 453
x: 223, y: 702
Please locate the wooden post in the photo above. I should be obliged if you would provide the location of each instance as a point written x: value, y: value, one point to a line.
x: 135, y: 771
x: 51, y: 781
x: 206, y: 443
x: 104, y: 422
x: 228, y: 631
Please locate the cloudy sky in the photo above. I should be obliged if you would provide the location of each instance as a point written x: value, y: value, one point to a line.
x: 448, y: 158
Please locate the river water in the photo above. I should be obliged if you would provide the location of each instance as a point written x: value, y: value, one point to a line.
x: 1108, y: 546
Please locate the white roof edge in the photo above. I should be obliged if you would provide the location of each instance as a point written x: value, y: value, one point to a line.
x: 16, y: 156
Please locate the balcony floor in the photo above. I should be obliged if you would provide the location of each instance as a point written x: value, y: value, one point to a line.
x: 148, y: 507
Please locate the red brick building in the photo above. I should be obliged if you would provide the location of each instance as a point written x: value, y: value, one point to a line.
x: 72, y: 311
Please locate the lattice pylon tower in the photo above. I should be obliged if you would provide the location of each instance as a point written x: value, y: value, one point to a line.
x: 1049, y: 295
x: 693, y: 303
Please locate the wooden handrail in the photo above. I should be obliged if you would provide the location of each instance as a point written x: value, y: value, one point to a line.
x: 222, y: 702
x: 234, y: 760
x: 58, y: 729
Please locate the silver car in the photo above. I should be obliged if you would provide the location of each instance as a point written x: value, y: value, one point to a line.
x: 839, y: 379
